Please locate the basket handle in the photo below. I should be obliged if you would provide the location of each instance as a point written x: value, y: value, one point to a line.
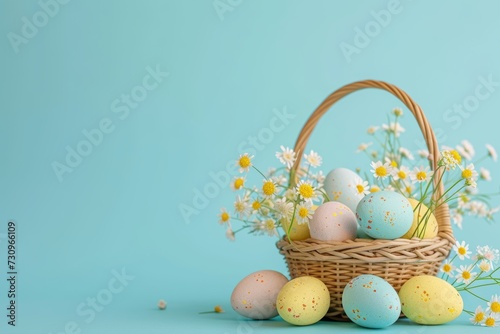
x: 442, y: 212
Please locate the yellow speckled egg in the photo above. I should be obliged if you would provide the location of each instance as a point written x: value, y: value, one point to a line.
x: 303, y: 301
x: 429, y: 300
x: 255, y: 295
x: 297, y: 232
x: 428, y: 226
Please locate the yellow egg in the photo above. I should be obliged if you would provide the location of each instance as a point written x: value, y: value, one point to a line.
x: 422, y: 215
x: 303, y: 301
x: 297, y: 232
x: 429, y: 300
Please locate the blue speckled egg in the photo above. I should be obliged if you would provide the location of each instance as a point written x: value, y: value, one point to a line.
x: 370, y: 301
x: 384, y: 215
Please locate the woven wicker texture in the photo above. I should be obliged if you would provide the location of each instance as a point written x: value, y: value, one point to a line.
x: 336, y: 263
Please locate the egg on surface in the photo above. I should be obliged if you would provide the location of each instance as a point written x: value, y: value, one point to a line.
x: 384, y: 215
x: 430, y: 300
x: 333, y: 221
x: 428, y: 228
x: 370, y: 301
x: 341, y: 185
x: 303, y: 301
x: 254, y: 296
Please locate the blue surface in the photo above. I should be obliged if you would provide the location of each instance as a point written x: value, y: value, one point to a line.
x: 204, y: 79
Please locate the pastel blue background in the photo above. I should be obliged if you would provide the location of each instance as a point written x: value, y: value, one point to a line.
x: 120, y: 208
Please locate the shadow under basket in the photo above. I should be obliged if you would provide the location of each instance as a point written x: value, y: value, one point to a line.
x: 396, y: 261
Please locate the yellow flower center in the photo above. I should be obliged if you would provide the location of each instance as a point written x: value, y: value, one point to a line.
x: 270, y: 225
x: 466, y: 173
x: 303, y: 212
x: 462, y: 251
x: 456, y: 156
x: 447, y: 268
x: 238, y: 183
x: 268, y: 188
x: 466, y: 275
x: 360, y: 188
x: 464, y: 198
x: 381, y: 171
x: 479, y: 317
x: 224, y: 217
x: 394, y: 163
x: 495, y: 307
x: 374, y: 189
x: 408, y: 190
x: 256, y: 205
x: 218, y: 309
x: 421, y: 175
x: 244, y: 161
x: 490, y: 322
x: 402, y: 175
x: 306, y: 190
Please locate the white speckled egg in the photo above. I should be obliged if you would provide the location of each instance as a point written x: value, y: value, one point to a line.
x: 255, y: 295
x: 303, y: 301
x: 333, y: 221
x: 370, y: 301
x: 340, y: 186
x: 384, y: 215
x: 429, y: 300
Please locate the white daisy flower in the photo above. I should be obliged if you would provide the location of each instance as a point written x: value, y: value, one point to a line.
x: 286, y: 156
x: 230, y: 233
x: 393, y: 127
x: 363, y: 146
x: 313, y: 159
x: 372, y: 129
x: 405, y: 153
x: 397, y: 111
x: 362, y: 187
x: 421, y: 174
x: 491, y: 152
x: 423, y: 154
x: 380, y: 170
x: 304, y: 212
x: 494, y: 305
x: 479, y: 316
x: 465, y: 274
x: 284, y: 209
x: 462, y: 250
x: 402, y: 173
x: 484, y: 174
x: 242, y: 207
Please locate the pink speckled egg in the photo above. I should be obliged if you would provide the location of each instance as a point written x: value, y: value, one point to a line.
x: 255, y: 295
x: 333, y: 221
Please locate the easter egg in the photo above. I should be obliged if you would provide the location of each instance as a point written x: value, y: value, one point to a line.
x: 255, y: 295
x: 384, y: 215
x: 430, y: 300
x: 297, y: 232
x: 303, y: 301
x: 428, y: 228
x: 370, y: 301
x: 333, y: 221
x: 341, y: 186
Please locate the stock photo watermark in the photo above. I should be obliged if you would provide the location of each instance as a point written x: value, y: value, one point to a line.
x: 88, y: 310
x: 30, y: 26
x: 462, y: 110
x: 11, y: 286
x: 224, y: 6
x: 120, y: 108
x: 221, y: 179
x: 364, y: 35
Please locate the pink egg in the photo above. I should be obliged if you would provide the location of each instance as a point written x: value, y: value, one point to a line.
x: 333, y: 221
x: 255, y: 295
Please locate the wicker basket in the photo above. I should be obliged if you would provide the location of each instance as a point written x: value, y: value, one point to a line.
x: 336, y: 263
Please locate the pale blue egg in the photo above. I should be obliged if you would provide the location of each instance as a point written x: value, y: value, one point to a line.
x: 384, y: 215
x: 341, y: 186
x: 370, y: 301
